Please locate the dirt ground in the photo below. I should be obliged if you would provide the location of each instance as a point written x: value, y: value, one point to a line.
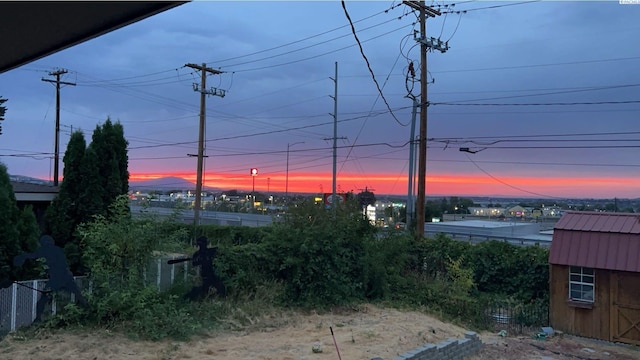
x: 563, y: 347
x: 364, y: 334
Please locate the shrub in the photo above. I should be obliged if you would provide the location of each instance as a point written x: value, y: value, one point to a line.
x: 320, y: 253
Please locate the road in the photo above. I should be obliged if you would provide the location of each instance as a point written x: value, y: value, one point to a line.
x: 209, y: 217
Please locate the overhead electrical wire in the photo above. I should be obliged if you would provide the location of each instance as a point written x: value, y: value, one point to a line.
x: 507, y: 184
x: 541, y: 104
x: 488, y: 7
x: 318, y: 55
x: 355, y: 35
x: 304, y: 39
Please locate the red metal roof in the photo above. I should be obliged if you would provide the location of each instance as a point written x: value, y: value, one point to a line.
x: 598, y: 240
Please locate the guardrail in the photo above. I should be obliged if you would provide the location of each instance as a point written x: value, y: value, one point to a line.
x: 474, y: 239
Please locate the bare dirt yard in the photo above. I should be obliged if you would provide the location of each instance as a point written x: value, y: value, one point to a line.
x: 363, y: 334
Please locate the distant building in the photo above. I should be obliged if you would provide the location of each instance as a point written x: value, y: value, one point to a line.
x: 519, y: 233
x: 487, y: 212
x: 518, y: 211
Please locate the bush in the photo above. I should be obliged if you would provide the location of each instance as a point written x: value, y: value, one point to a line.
x: 320, y: 254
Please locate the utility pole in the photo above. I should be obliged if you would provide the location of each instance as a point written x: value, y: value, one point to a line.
x: 56, y: 157
x: 411, y: 205
x: 335, y: 138
x: 202, y: 89
x: 425, y: 44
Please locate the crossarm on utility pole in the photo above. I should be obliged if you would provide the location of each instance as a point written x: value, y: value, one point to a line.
x: 202, y: 89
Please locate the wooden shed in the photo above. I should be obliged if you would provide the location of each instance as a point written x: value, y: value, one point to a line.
x: 595, y: 276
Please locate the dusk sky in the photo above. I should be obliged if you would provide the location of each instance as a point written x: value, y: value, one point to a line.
x: 545, y: 94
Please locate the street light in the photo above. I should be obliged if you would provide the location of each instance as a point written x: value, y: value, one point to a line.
x: 254, y: 173
x: 286, y: 186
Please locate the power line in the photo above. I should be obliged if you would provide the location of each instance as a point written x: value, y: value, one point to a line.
x: 306, y: 38
x: 373, y: 76
x: 319, y: 55
x: 541, y: 135
x: 535, y: 163
x: 543, y: 104
x: 507, y: 184
x: 539, y: 65
x: 488, y: 7
x: 551, y: 93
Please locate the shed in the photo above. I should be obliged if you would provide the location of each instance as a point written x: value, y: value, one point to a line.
x: 594, y: 276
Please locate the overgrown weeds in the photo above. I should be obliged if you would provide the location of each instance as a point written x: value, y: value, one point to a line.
x: 316, y: 259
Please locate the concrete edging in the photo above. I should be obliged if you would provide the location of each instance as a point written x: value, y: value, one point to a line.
x: 450, y: 349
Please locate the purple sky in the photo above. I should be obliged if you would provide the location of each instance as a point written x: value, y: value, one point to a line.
x: 278, y: 58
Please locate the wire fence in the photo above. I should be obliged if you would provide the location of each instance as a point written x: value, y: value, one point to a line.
x: 18, y: 302
x: 516, y: 318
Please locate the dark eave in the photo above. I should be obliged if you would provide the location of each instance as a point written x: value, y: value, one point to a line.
x: 31, y: 30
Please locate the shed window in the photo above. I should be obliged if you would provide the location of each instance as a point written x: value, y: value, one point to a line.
x: 581, y: 284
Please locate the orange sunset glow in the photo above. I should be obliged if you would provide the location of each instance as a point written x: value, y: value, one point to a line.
x: 437, y: 184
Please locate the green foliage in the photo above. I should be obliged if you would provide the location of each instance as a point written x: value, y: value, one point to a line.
x: 9, y: 244
x: 62, y: 215
x: 502, y: 268
x: 321, y: 251
x: 117, y: 249
x: 19, y: 231
x: 110, y: 146
x: 245, y: 267
x: 384, y: 264
x: 94, y: 177
x: 366, y: 198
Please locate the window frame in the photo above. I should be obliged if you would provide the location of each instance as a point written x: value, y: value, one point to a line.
x: 586, y: 280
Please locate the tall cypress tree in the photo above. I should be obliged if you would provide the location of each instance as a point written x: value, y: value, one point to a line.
x: 110, y: 146
x: 63, y: 216
x: 90, y: 197
x: 9, y: 246
x: 18, y: 229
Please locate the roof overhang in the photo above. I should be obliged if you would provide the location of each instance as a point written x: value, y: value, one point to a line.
x: 34, y: 29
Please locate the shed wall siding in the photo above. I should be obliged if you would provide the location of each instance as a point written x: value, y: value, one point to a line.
x: 591, y: 323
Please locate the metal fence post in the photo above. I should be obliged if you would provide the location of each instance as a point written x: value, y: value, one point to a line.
x: 34, y: 299
x: 159, y: 276
x: 173, y: 271
x: 14, y: 299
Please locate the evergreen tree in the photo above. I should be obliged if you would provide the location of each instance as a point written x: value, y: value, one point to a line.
x: 366, y: 198
x: 9, y: 243
x: 18, y: 229
x: 94, y: 177
x: 90, y: 198
x: 110, y: 146
x: 29, y: 233
x: 63, y: 215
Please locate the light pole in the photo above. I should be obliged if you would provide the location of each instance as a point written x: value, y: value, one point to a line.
x: 254, y: 173
x: 286, y: 182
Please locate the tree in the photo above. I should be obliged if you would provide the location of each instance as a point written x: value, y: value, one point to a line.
x: 94, y: 177
x: 18, y: 229
x: 366, y: 198
x: 110, y: 147
x: 62, y: 216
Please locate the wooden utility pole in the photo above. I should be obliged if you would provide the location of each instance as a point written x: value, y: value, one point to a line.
x: 335, y: 139
x: 201, y: 88
x: 425, y: 44
x: 56, y: 156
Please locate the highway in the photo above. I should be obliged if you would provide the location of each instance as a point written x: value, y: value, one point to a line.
x: 208, y: 217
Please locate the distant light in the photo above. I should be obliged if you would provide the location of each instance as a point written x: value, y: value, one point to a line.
x: 254, y: 172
